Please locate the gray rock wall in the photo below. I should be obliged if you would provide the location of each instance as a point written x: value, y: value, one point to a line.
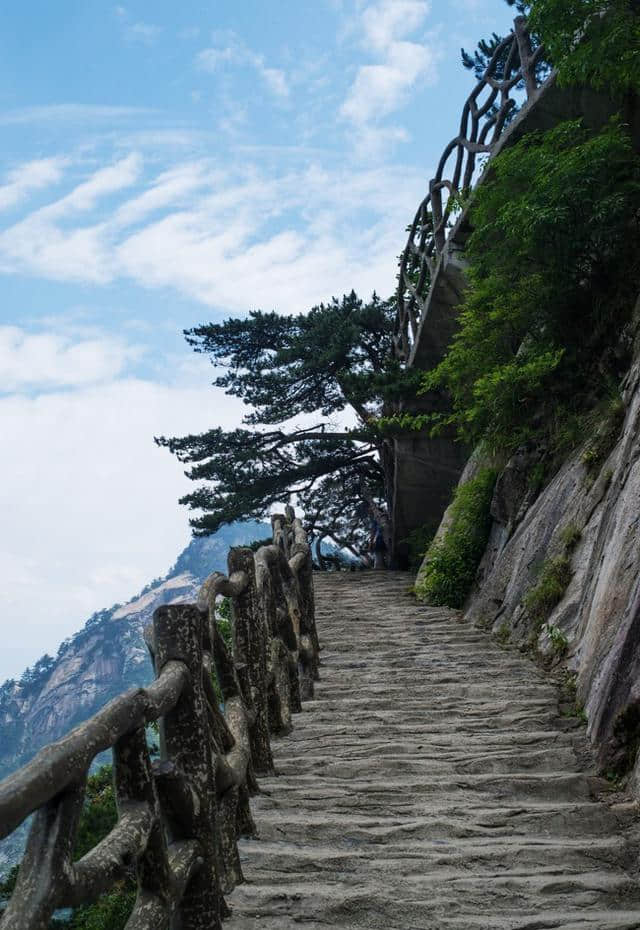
x: 600, y: 612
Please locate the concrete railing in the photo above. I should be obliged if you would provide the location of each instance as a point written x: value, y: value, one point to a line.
x: 514, y: 67
x: 180, y: 817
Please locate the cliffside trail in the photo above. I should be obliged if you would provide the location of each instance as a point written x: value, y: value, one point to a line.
x: 433, y: 784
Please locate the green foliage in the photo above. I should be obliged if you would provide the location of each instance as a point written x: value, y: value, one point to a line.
x: 452, y: 561
x: 224, y: 623
x: 569, y: 705
x: 110, y: 912
x: 503, y: 635
x: 99, y: 814
x: 98, y: 818
x: 223, y: 620
x: 594, y: 42
x: 558, y: 640
x: 537, y: 476
x: 549, y: 590
x: 570, y: 537
x: 554, y: 271
x: 338, y: 356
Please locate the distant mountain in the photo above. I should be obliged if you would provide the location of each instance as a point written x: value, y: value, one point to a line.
x: 105, y: 658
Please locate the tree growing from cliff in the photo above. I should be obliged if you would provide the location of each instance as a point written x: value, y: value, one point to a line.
x: 303, y: 377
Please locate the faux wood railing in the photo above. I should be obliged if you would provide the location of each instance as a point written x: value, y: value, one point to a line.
x: 514, y: 65
x: 179, y: 818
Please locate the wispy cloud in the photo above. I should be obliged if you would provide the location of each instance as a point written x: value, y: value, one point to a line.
x: 381, y: 88
x: 47, y: 242
x: 29, y: 177
x: 229, y: 50
x: 228, y: 236
x: 136, y: 31
x: 71, y: 113
x: 45, y: 360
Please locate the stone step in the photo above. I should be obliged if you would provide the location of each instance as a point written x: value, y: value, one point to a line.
x: 432, y: 785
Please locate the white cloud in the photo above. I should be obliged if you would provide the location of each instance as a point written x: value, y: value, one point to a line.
x: 29, y: 177
x: 388, y: 20
x: 234, y: 52
x: 50, y: 360
x: 44, y: 242
x: 132, y: 31
x: 230, y: 237
x: 77, y: 113
x: 146, y: 33
x: 381, y: 88
x: 105, y: 181
x: 168, y: 188
x: 89, y: 503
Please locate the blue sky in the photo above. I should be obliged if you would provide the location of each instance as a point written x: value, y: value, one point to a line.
x: 162, y: 165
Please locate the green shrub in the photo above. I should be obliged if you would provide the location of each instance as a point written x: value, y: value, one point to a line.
x: 549, y: 590
x: 594, y: 42
x: 99, y: 813
x: 558, y: 640
x: 554, y: 272
x: 452, y: 561
x: 570, y: 536
x: 99, y: 816
x: 110, y: 912
x: 223, y: 621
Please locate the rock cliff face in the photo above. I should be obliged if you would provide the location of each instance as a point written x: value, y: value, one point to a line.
x: 106, y: 657
x: 586, y: 524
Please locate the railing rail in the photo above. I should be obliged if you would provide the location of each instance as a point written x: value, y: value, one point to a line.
x: 180, y: 817
x: 514, y: 64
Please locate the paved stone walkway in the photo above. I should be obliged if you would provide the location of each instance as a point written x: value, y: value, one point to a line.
x: 431, y: 784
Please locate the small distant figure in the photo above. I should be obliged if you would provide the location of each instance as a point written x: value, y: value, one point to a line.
x: 378, y: 547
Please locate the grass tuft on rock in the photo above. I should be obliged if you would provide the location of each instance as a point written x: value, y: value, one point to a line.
x: 452, y: 561
x: 552, y: 583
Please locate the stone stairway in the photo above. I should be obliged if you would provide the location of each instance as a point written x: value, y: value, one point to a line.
x: 432, y: 784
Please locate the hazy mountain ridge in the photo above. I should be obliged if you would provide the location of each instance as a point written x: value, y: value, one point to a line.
x: 106, y: 656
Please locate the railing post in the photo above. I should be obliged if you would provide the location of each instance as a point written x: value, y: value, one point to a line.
x: 525, y: 50
x: 250, y: 650
x: 302, y: 559
x: 178, y: 634
x: 179, y: 818
x: 134, y: 783
x: 46, y: 860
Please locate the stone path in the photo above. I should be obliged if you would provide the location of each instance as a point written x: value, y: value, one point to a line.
x: 431, y: 784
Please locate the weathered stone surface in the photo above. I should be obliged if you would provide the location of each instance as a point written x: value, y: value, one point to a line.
x: 600, y: 612
x: 431, y: 785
